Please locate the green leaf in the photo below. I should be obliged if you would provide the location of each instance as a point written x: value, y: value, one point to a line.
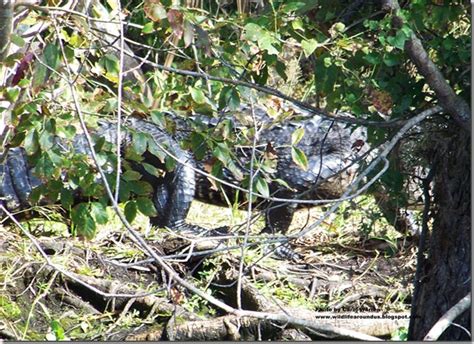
x: 229, y: 97
x: 170, y: 163
x: 140, y: 187
x: 197, y: 95
x: 99, y: 211
x: 39, y: 77
x: 69, y: 131
x: 299, y: 158
x: 154, y: 149
x: 82, y: 220
x: 148, y: 28
x: 309, y: 46
x: 253, y: 32
x: 158, y: 118
x: 12, y: 93
x: 46, y: 140
x: 222, y: 152
x: 139, y: 142
x: 111, y: 64
x: 283, y: 183
x: 373, y: 58
x: 297, y: 24
x: 124, y: 191
x: 327, y: 62
x: 17, y: 40
x: 55, y: 157
x: 398, y: 41
x: 51, y: 56
x: 130, y: 175
x: 146, y: 206
x: 152, y: 169
x: 297, y: 135
x: 265, y: 39
x: 266, y: 42
x: 281, y: 70
x: 57, y: 330
x: 67, y: 199
x: 18, y: 139
x: 339, y: 27
x: 31, y: 142
x: 261, y: 186
x: 130, y: 211
x: 198, y: 145
x: 44, y: 167
x: 293, y: 6
x: 391, y: 59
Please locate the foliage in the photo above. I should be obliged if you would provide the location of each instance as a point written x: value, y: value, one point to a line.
x: 349, y: 61
x: 400, y: 335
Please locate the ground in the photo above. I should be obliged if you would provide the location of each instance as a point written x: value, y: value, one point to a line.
x: 344, y: 269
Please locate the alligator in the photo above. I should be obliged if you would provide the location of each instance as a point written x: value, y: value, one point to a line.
x: 332, y: 151
x: 17, y: 178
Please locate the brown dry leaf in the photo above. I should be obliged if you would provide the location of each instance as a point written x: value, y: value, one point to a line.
x: 270, y: 152
x: 381, y: 100
x: 176, y: 296
x: 175, y: 18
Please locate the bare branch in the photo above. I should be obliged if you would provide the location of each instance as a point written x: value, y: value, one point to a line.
x: 447, y: 319
x: 309, y: 324
x: 382, y: 157
x: 249, y: 210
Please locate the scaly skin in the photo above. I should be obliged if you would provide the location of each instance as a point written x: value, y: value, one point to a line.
x: 328, y: 147
x: 17, y: 179
x: 332, y: 151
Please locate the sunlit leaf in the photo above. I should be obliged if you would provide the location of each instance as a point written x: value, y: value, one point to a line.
x: 297, y: 135
x: 309, y: 46
x: 299, y: 158
x: 261, y: 186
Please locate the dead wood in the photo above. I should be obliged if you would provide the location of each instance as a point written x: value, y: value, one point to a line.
x: 244, y: 328
x: 150, y: 304
x: 223, y: 328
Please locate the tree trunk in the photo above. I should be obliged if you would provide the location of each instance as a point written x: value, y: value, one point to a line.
x: 6, y: 22
x: 445, y: 276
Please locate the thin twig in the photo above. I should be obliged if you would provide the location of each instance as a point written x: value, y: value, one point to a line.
x: 382, y: 157
x: 56, y: 267
x: 249, y: 210
x: 119, y: 102
x: 115, y: 205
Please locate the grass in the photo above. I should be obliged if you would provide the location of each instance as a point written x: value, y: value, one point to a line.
x: 335, y: 253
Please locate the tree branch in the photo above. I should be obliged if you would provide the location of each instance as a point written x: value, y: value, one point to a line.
x: 449, y: 100
x: 447, y: 319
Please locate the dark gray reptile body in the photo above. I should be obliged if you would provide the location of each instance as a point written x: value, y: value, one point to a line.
x: 328, y: 147
x: 17, y: 180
